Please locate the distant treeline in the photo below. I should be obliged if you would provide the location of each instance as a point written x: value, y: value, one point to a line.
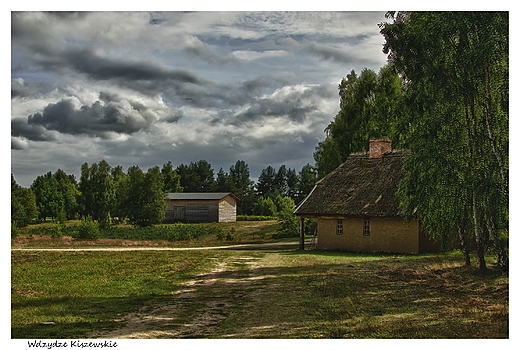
x: 109, y: 194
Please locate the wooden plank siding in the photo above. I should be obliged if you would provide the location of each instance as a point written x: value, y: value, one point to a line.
x: 200, y: 207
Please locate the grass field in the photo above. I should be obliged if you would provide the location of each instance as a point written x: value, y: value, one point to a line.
x: 263, y: 293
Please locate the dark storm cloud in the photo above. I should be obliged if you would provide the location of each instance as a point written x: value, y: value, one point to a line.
x: 20, y: 128
x: 100, y: 68
x: 95, y: 120
x: 266, y: 81
x: 181, y: 85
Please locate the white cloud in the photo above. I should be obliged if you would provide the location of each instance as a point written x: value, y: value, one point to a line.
x: 249, y: 55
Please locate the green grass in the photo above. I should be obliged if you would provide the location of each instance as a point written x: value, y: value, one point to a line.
x: 178, y: 235
x: 87, y: 290
x: 254, y: 294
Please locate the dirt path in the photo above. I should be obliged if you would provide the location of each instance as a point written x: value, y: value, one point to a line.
x: 194, y: 310
x: 136, y: 248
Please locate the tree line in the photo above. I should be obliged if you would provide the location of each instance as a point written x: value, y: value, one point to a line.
x: 443, y: 95
x: 107, y: 194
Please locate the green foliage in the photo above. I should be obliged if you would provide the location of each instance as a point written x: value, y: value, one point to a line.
x: 242, y: 186
x: 142, y: 197
x: 171, y: 180
x: 307, y: 178
x: 171, y: 233
x: 255, y: 218
x: 88, y: 229
x: 98, y: 188
x: 15, y: 231
x: 455, y: 65
x: 369, y: 108
x: 265, y: 207
x: 67, y: 187
x: 49, y: 199
x: 220, y: 235
x: 265, y: 186
x: 196, y: 177
x: 56, y: 230
x: 289, y: 223
x: 230, y: 236
x: 23, y: 204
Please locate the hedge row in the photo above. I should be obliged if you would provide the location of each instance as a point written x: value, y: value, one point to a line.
x: 255, y: 218
x: 172, y: 233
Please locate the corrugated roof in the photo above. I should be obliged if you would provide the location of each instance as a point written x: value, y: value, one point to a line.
x: 198, y: 196
x: 360, y: 187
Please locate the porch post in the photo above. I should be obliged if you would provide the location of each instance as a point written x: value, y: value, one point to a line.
x: 302, y: 234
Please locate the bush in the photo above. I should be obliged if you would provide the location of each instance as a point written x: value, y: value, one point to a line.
x: 289, y: 223
x: 15, y: 231
x: 220, y: 235
x: 88, y: 229
x: 230, y: 236
x: 265, y: 207
x: 56, y: 231
x: 171, y: 233
x: 255, y: 218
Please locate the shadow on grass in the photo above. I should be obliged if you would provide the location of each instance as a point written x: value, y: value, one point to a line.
x: 72, y: 317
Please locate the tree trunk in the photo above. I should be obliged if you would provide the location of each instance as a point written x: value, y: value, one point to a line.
x: 478, y: 235
x: 502, y: 258
x: 464, y: 244
x: 302, y: 234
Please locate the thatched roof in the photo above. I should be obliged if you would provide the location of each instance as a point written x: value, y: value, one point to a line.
x: 360, y: 187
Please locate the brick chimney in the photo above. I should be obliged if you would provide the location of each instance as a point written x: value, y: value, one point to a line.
x: 378, y: 147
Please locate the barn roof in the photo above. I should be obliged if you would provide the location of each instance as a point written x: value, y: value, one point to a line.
x: 360, y: 187
x: 199, y: 195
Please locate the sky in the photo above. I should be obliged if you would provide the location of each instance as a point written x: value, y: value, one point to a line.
x: 144, y: 88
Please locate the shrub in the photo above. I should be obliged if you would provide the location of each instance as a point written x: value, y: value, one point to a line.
x: 15, y: 231
x: 255, y: 218
x: 289, y: 223
x: 88, y: 229
x: 220, y: 234
x: 56, y: 231
x: 230, y: 236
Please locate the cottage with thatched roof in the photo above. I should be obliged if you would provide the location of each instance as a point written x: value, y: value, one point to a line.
x: 357, y: 207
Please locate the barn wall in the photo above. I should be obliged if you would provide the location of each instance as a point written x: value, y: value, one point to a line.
x: 193, y: 210
x: 227, y: 209
x: 386, y: 235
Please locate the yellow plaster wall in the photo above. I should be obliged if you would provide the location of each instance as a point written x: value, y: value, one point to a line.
x: 386, y: 235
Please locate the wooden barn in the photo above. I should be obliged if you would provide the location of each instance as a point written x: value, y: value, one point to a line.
x: 201, y: 207
x: 357, y: 208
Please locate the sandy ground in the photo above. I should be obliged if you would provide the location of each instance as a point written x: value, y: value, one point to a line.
x: 224, y: 283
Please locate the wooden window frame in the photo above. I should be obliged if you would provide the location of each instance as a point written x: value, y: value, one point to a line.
x: 366, y: 228
x: 339, y: 227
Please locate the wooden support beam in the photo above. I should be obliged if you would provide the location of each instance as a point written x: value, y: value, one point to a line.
x: 302, y: 234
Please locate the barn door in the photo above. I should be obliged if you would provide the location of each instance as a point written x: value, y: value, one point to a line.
x: 179, y: 213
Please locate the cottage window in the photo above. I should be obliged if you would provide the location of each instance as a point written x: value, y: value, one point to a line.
x: 339, y: 227
x: 366, y: 227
